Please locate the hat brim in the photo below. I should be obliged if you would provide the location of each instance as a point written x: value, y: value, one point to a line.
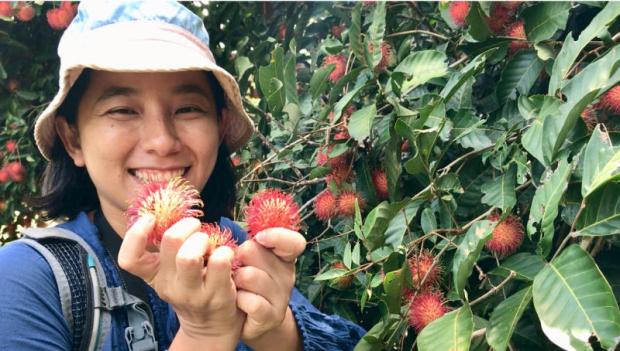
x: 142, y: 47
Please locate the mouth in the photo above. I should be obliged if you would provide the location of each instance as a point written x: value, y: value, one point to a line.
x: 145, y: 175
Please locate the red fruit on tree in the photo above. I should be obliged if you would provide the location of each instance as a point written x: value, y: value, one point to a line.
x: 346, y: 203
x: 589, y: 118
x: 458, y: 12
x: 340, y: 173
x: 168, y: 201
x: 341, y: 65
x: 337, y: 30
x: 272, y: 208
x: 6, y: 10
x: 344, y: 281
x: 25, y: 13
x: 69, y: 7
x: 282, y: 31
x: 388, y: 59
x: 59, y: 18
x: 506, y: 237
x: 325, y: 205
x: 501, y: 15
x: 218, y: 236
x: 11, y: 145
x: 425, y: 308
x: 611, y: 100
x: 16, y: 171
x: 12, y: 85
x: 420, y: 266
x: 516, y: 30
x: 379, y: 180
x: 4, y: 175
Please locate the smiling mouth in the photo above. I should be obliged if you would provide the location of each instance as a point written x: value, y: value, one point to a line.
x: 156, y: 175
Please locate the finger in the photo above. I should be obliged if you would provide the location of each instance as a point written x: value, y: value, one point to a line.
x: 172, y: 241
x: 286, y: 244
x: 218, y: 281
x: 133, y: 255
x: 257, y: 281
x: 260, y: 312
x: 190, y: 261
x: 251, y: 253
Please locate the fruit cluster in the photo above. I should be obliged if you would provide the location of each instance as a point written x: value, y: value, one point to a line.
x: 57, y: 18
x: 14, y: 170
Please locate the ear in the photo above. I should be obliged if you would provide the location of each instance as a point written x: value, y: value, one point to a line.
x: 224, y: 123
x: 70, y: 138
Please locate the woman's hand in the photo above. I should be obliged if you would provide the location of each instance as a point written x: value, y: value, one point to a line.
x: 265, y: 282
x: 204, y: 298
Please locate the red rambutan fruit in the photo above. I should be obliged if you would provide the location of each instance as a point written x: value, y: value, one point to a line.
x: 282, y: 31
x: 506, y: 237
x: 425, y: 308
x: 346, y: 203
x: 4, y: 175
x: 270, y: 208
x: 11, y: 145
x: 589, y: 118
x: 25, y: 13
x: 420, y: 266
x: 16, y: 171
x: 516, y: 30
x: 388, y: 59
x: 337, y: 30
x: 501, y: 14
x: 611, y: 100
x: 344, y: 281
x: 458, y: 12
x: 325, y: 205
x: 168, y: 201
x: 340, y: 61
x: 340, y: 173
x: 218, y: 236
x: 59, y: 18
x: 6, y: 10
x: 379, y: 180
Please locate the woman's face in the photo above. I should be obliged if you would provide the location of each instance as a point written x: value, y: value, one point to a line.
x: 139, y: 126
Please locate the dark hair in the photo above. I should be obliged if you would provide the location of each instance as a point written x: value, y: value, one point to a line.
x: 66, y: 189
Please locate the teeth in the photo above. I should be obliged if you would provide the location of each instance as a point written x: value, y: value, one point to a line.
x: 156, y: 176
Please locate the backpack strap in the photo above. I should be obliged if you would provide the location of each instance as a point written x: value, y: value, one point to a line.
x: 80, y: 276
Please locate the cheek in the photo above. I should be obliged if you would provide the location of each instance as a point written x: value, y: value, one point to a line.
x: 105, y: 144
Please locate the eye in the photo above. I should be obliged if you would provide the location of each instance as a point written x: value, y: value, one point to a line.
x: 121, y: 111
x: 190, y: 109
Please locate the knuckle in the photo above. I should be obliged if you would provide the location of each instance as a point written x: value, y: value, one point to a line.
x: 187, y: 261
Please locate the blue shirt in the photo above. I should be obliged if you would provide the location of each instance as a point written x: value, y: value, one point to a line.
x: 31, y: 317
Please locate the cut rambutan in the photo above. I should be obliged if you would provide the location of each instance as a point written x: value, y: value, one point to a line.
x: 458, y: 12
x: 425, y: 308
x: 506, y: 237
x: 420, y: 266
x: 341, y: 65
x: 325, y: 206
x: 611, y: 100
x: 346, y: 203
x: 168, y: 201
x: 272, y: 208
x: 379, y: 180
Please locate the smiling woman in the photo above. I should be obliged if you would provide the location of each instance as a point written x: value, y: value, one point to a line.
x: 117, y: 122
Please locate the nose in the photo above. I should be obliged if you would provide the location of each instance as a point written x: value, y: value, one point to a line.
x: 159, y: 134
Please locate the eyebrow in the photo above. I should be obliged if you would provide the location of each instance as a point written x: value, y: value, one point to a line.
x: 127, y: 91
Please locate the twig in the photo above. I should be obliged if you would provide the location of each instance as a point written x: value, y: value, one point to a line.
x: 494, y: 289
x: 479, y: 332
x: 582, y: 206
x: 287, y: 182
x: 418, y: 31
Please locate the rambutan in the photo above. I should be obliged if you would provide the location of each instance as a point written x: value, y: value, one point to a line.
x: 344, y: 281
x: 25, y: 13
x: 341, y: 131
x: 341, y: 64
x: 6, y: 10
x: 12, y: 85
x: 611, y: 100
x: 60, y: 18
x: 516, y: 30
x: 218, y: 236
x: 323, y: 158
x: 168, y: 201
x: 379, y: 180
x: 346, y: 203
x: 325, y: 205
x: 337, y: 30
x: 420, y: 266
x: 4, y: 175
x: 506, y: 237
x: 589, y: 118
x: 272, y: 208
x: 425, y: 308
x: 340, y: 173
x: 388, y: 59
x: 16, y: 171
x: 458, y: 12
x: 11, y: 145
x: 501, y: 15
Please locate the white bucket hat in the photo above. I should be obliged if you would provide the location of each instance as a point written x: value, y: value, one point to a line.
x: 138, y: 36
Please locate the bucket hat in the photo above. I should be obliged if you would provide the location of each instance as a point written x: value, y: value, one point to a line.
x: 138, y: 36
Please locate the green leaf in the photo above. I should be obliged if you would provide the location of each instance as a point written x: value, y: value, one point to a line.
x: 400, y: 223
x: 3, y: 74
x: 545, y: 204
x: 375, y: 33
x: 331, y: 274
x: 526, y: 265
x: 542, y: 20
x: 290, y: 79
x: 601, y: 215
x: 534, y: 136
x: 500, y: 192
x: 468, y: 253
x: 360, y: 122
x: 242, y: 65
x: 466, y: 131
x: 574, y: 301
x: 461, y: 76
x: 505, y: 317
x: 345, y: 100
x: 377, y: 222
x: 318, y: 82
x: 477, y: 21
x: 422, y: 66
x: 392, y: 284
x: 392, y: 165
x: 608, y: 173
x: 597, y: 155
x: 572, y: 48
x: 450, y: 332
x: 462, y: 98
x: 355, y: 255
x: 519, y: 75
x: 355, y: 33
x: 364, y: 183
x: 346, y: 256
x: 271, y: 79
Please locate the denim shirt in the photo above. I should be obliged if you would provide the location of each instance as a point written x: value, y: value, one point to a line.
x: 31, y: 317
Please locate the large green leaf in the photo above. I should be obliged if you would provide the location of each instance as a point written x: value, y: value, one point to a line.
x: 377, y: 222
x: 468, y: 253
x: 526, y: 266
x: 542, y: 20
x: 361, y: 122
x: 534, y: 136
x: 318, y: 82
x: 572, y: 48
x: 271, y: 81
x: 393, y: 168
x: 609, y: 172
x: 290, y: 77
x: 601, y: 215
x: 500, y: 192
x: 505, y: 317
x: 375, y: 34
x: 466, y: 131
x: 400, y: 223
x: 355, y: 33
x: 598, y: 153
x: 464, y: 74
x: 422, y: 66
x: 574, y: 301
x: 477, y: 21
x: 545, y: 204
x: 450, y: 332
x: 519, y: 75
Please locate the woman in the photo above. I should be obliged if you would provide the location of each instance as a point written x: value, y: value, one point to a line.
x: 141, y: 98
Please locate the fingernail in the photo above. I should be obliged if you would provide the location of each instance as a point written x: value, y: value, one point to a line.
x: 260, y: 237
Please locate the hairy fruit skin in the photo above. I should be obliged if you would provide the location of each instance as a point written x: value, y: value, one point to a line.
x: 506, y: 237
x: 168, y: 201
x: 218, y: 236
x: 6, y: 10
x: 458, y: 12
x: 420, y: 266
x: 517, y: 30
x: 16, y: 171
x: 611, y: 100
x: 340, y: 61
x: 25, y: 13
x: 272, y: 208
x: 589, y: 118
x: 502, y: 13
x: 379, y: 180
x: 346, y: 203
x: 325, y: 206
x: 425, y: 308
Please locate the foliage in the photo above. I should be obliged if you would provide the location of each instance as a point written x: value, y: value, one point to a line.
x: 461, y: 120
